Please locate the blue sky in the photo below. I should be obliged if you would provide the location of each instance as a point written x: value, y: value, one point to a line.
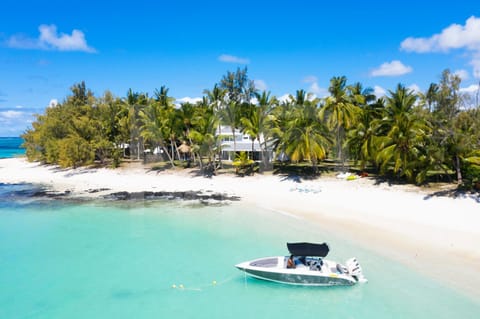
x: 46, y: 47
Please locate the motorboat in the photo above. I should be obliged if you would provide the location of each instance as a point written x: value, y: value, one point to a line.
x: 305, y: 266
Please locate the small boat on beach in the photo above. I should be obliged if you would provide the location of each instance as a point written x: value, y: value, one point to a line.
x: 305, y: 266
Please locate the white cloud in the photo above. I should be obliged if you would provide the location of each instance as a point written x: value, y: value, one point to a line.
x: 13, y: 122
x: 260, y: 85
x: 379, y: 91
x: 462, y: 74
x: 285, y: 98
x: 393, y: 68
x: 233, y: 59
x: 317, y: 90
x: 188, y: 99
x: 310, y: 79
x: 49, y: 39
x: 53, y: 103
x: 475, y: 63
x: 455, y: 36
x: 472, y: 89
x: 414, y: 87
x: 470, y: 94
x: 10, y: 114
x: 314, y: 87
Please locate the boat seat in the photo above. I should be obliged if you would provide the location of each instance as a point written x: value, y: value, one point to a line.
x: 315, y: 264
x: 341, y: 269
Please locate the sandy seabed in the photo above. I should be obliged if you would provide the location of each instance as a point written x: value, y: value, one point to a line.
x: 436, y: 235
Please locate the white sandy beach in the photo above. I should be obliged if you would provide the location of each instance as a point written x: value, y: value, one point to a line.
x: 438, y: 236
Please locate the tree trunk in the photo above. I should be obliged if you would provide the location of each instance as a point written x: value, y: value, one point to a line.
x: 192, y: 153
x: 263, y: 152
x: 220, y: 146
x: 200, y: 163
x: 168, y: 155
x: 176, y: 151
x: 339, y: 150
x: 253, y: 147
x: 457, y: 168
x: 138, y: 150
x: 234, y: 143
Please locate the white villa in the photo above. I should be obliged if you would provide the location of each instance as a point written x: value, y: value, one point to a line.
x: 243, y: 144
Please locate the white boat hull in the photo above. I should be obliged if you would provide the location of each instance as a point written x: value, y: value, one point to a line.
x: 274, y: 269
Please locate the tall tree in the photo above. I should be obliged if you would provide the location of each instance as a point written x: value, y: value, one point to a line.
x: 277, y: 122
x: 159, y: 123
x: 255, y: 122
x: 238, y: 90
x: 306, y: 137
x: 80, y: 94
x: 204, y: 137
x: 403, y: 144
x: 135, y: 102
x: 361, y: 139
x: 447, y: 100
x: 216, y: 99
x: 172, y: 124
x: 340, y: 111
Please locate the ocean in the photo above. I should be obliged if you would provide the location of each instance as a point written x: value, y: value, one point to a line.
x: 10, y: 147
x: 164, y: 259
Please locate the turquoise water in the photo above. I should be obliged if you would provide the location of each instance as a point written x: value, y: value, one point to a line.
x: 10, y: 147
x: 106, y: 260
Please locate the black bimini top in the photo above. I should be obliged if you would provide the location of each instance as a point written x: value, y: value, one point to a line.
x: 308, y: 249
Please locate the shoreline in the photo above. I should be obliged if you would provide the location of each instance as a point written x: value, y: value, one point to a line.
x: 436, y: 236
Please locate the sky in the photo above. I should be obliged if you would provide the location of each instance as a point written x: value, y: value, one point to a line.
x: 48, y: 46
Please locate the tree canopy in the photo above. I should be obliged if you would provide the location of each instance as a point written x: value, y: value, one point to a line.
x: 405, y: 134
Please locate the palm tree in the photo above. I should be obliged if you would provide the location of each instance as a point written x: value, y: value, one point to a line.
x: 135, y: 102
x: 256, y: 125
x: 171, y: 123
x: 340, y: 111
x: 431, y: 96
x: 161, y: 96
x: 403, y: 146
x: 306, y: 137
x: 465, y: 143
x: 360, y: 95
x: 229, y: 116
x: 254, y: 121
x: 203, y: 135
x: 216, y: 99
x: 362, y: 138
x: 276, y: 123
x: 185, y: 114
x: 154, y: 121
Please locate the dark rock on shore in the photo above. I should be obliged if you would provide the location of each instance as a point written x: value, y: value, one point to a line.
x: 96, y: 190
x: 183, y: 195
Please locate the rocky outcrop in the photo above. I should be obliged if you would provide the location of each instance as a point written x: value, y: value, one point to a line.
x: 182, y: 195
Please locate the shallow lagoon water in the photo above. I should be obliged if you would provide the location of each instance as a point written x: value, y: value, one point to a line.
x: 10, y: 147
x: 114, y: 260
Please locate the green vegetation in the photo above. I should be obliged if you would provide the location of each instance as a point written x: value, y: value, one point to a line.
x: 405, y: 135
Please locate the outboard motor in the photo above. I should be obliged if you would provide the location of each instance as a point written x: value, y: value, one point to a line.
x: 355, y: 270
